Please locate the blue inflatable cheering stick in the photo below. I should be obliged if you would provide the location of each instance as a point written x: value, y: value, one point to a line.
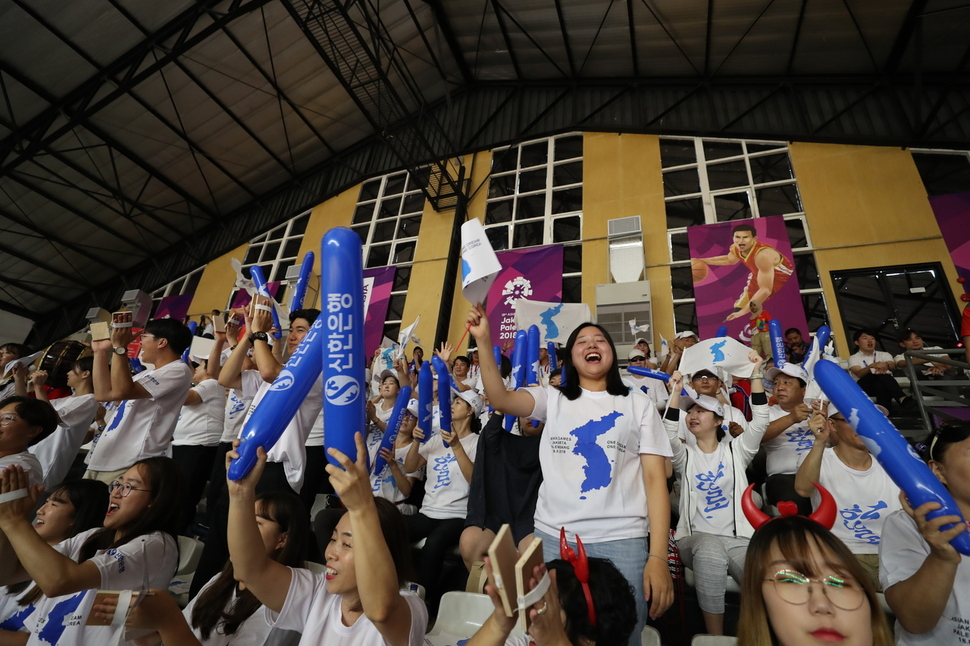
x: 721, y: 331
x: 885, y: 443
x: 393, y: 425
x: 342, y: 305
x: 444, y: 393
x: 532, y: 356
x: 518, y: 369
x: 278, y: 406
x: 553, y: 362
x: 777, y: 343
x: 299, y: 292
x: 647, y: 372
x: 822, y: 335
x: 425, y: 400
x: 263, y: 290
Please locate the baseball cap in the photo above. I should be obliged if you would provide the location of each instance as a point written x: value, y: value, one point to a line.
x: 388, y: 373
x: 472, y: 399
x: 413, y: 407
x: 640, y: 339
x: 790, y: 369
x: 687, y: 333
x: 636, y: 354
x: 704, y: 401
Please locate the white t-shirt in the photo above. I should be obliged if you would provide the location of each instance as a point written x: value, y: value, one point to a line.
x: 314, y: 612
x: 901, y: 554
x: 785, y: 452
x: 202, y: 424
x: 315, y: 437
x: 590, y: 458
x: 711, y: 475
x: 921, y: 367
x: 731, y: 414
x: 57, y: 451
x: 12, y: 614
x: 384, y: 485
x: 143, y: 428
x: 254, y: 631
x: 860, y: 360
x: 864, y: 498
x: 446, y: 490
x: 235, y: 414
x: 28, y: 461
x: 655, y: 389
x: 60, y: 620
x: 290, y: 449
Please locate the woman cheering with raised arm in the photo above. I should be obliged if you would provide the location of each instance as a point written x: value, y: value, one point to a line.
x: 602, y: 457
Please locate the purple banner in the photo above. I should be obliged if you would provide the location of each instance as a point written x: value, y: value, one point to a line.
x: 242, y: 298
x: 739, y: 261
x: 377, y: 295
x: 535, y: 274
x: 174, y: 307
x: 952, y: 214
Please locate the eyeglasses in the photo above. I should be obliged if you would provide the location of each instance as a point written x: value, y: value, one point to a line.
x: 8, y: 418
x: 144, y: 334
x: 796, y: 588
x: 125, y: 487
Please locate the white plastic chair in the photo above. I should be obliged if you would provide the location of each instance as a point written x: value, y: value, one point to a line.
x: 190, y: 553
x: 714, y: 640
x: 316, y: 568
x: 460, y: 615
x: 649, y: 636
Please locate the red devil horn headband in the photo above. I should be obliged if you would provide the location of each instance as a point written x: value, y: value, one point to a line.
x: 580, y: 567
x: 824, y: 515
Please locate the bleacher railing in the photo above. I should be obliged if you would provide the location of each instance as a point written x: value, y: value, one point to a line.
x: 935, y: 396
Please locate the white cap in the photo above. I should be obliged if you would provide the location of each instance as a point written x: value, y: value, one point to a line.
x: 790, y: 369
x: 388, y: 373
x: 636, y: 354
x: 640, y: 339
x: 687, y: 333
x: 704, y: 401
x: 413, y: 407
x: 472, y: 399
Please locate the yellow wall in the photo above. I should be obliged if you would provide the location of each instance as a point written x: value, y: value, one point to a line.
x: 621, y: 178
x: 866, y: 207
x: 216, y: 285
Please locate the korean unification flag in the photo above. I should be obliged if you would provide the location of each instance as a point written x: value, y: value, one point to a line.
x: 479, y: 264
x: 555, y: 321
x: 406, y: 335
x: 723, y: 352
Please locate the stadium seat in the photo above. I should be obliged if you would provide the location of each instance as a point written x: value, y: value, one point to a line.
x: 190, y: 551
x: 714, y: 640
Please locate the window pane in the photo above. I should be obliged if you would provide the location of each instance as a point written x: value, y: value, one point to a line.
x: 796, y: 233
x: 568, y: 147
x: 419, y: 180
x: 501, y: 186
x: 269, y: 252
x: 528, y: 234
x: 778, y: 200
x: 409, y: 227
x: 534, y: 154
x: 362, y: 232
x: 533, y: 180
x: 384, y: 230
x: 379, y: 255
x: 571, y: 173
x: 363, y: 213
x: 402, y: 278
x: 568, y: 200
x: 677, y: 152
x: 566, y: 229
x: 498, y: 237
x: 679, y: 249
x: 685, y: 317
x: 530, y: 206
x: 771, y: 168
x: 757, y: 148
x: 252, y: 255
x: 389, y: 208
x: 572, y: 259
x: 943, y: 174
x: 395, y: 307
x: 280, y: 273
x: 498, y: 212
x: 816, y: 314
x: 727, y: 175
x: 191, y: 282
x: 404, y: 252
x: 572, y: 289
x: 681, y: 182
x: 298, y: 226
x: 685, y: 213
x: 413, y: 203
x: 291, y: 248
x: 733, y: 206
x: 370, y: 190
x: 806, y: 271
x: 395, y: 184
x: 721, y: 149
x: 391, y: 330
x: 682, y: 282
x: 504, y: 160
x: 278, y: 233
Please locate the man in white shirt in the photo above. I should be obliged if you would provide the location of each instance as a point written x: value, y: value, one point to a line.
x: 150, y: 402
x: 655, y: 389
x: 873, y: 371
x: 788, y: 436
x: 910, y: 340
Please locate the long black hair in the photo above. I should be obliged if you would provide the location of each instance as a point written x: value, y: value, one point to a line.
x: 614, y: 383
x: 166, y: 482
x: 286, y: 510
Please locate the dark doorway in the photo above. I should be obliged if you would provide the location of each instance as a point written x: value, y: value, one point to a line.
x: 888, y: 300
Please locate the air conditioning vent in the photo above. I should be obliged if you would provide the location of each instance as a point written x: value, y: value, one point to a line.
x: 624, y: 226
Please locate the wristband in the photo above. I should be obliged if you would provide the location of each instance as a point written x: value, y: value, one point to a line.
x: 10, y: 496
x: 121, y: 324
x: 756, y: 375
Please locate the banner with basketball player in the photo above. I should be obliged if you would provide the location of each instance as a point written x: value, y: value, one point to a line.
x: 735, y: 263
x: 535, y: 274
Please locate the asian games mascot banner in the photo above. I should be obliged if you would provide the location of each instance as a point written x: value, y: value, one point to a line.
x: 534, y: 274
x: 736, y: 262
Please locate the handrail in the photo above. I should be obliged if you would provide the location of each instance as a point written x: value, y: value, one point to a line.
x: 920, y: 387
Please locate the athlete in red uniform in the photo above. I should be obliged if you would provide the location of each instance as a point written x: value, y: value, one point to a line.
x: 770, y: 269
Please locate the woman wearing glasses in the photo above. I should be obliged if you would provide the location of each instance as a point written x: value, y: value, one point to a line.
x: 135, y: 550
x: 802, y: 586
x: 927, y: 582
